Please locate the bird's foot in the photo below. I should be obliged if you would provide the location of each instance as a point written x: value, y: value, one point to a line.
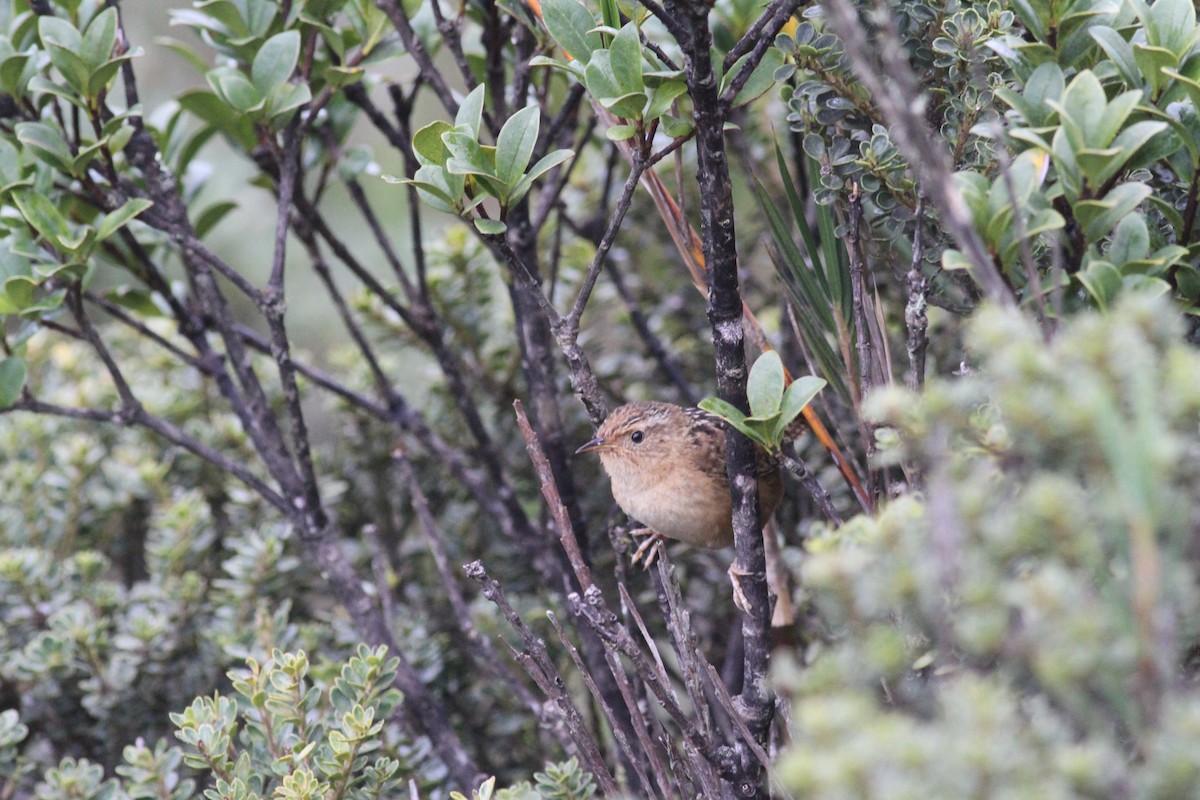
x: 648, y: 549
x: 739, y: 597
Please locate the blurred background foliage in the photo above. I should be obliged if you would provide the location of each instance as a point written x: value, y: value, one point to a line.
x: 1018, y: 616
x: 1029, y: 626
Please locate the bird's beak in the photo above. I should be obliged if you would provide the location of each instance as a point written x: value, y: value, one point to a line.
x: 594, y: 444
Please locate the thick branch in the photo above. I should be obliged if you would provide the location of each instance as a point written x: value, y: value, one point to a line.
x: 755, y: 704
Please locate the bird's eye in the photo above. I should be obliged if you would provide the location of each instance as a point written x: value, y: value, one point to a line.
x: 637, y: 437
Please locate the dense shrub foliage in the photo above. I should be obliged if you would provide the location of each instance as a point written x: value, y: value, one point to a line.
x: 231, y: 567
x: 1028, y: 627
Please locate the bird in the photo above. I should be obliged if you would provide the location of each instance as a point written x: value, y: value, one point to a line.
x: 667, y: 468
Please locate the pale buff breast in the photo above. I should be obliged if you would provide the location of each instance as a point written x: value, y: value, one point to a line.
x: 689, y: 522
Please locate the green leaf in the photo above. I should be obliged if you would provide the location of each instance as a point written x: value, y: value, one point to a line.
x: 764, y: 389
x: 955, y: 260
x: 1128, y: 143
x: 47, y: 144
x: 1120, y: 52
x: 1101, y: 132
x: 286, y: 99
x: 102, y: 77
x: 428, y: 145
x: 731, y: 414
x: 139, y: 301
x: 544, y: 164
x: 799, y: 394
x: 1099, y: 216
x: 1083, y: 104
x: 619, y: 133
x: 18, y: 294
x: 99, y: 38
x: 470, y: 113
x: 64, y: 44
x: 1130, y: 241
x: 213, y: 111
x: 675, y: 127
x: 43, y: 215
x: 275, y: 61
x: 184, y: 51
x: 1103, y: 282
x: 54, y: 30
x: 627, y: 106
x: 569, y: 23
x: 574, y: 68
x: 661, y: 98
x: 12, y: 379
x: 232, y: 86
x: 515, y: 143
x: 118, y: 218
x: 625, y: 56
x: 1046, y: 83
x: 1033, y: 20
x: 1190, y: 86
x: 468, y: 157
x: 435, y: 193
x: 490, y: 227
x: 761, y: 79
x: 1175, y: 23
x: 1151, y: 61
x: 726, y: 411
x: 599, y: 76
x: 46, y: 305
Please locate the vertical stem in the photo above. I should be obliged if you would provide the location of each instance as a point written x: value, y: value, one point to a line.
x: 914, y: 312
x: 862, y: 331
x: 755, y: 704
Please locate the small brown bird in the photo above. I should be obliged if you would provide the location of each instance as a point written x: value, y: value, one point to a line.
x: 667, y: 466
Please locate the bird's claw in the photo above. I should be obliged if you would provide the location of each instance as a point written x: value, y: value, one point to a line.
x: 648, y: 549
x: 739, y: 597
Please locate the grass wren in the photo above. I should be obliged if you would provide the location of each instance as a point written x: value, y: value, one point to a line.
x: 667, y: 466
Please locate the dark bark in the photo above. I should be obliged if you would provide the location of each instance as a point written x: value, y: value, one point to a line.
x: 755, y: 704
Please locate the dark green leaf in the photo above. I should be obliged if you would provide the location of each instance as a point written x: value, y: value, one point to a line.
x: 209, y: 217
x: 47, y: 144
x: 118, y: 218
x: 625, y: 56
x: 569, y: 23
x: 515, y: 143
x: 544, y: 164
x: 12, y: 379
x: 43, y: 215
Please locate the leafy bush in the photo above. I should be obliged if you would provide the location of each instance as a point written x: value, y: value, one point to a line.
x: 192, y: 507
x: 1028, y: 625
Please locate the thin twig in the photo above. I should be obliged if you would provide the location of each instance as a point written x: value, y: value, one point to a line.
x: 482, y: 650
x: 915, y: 319
x: 794, y: 464
x: 896, y: 91
x: 614, y: 723
x: 758, y: 39
x: 540, y: 666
